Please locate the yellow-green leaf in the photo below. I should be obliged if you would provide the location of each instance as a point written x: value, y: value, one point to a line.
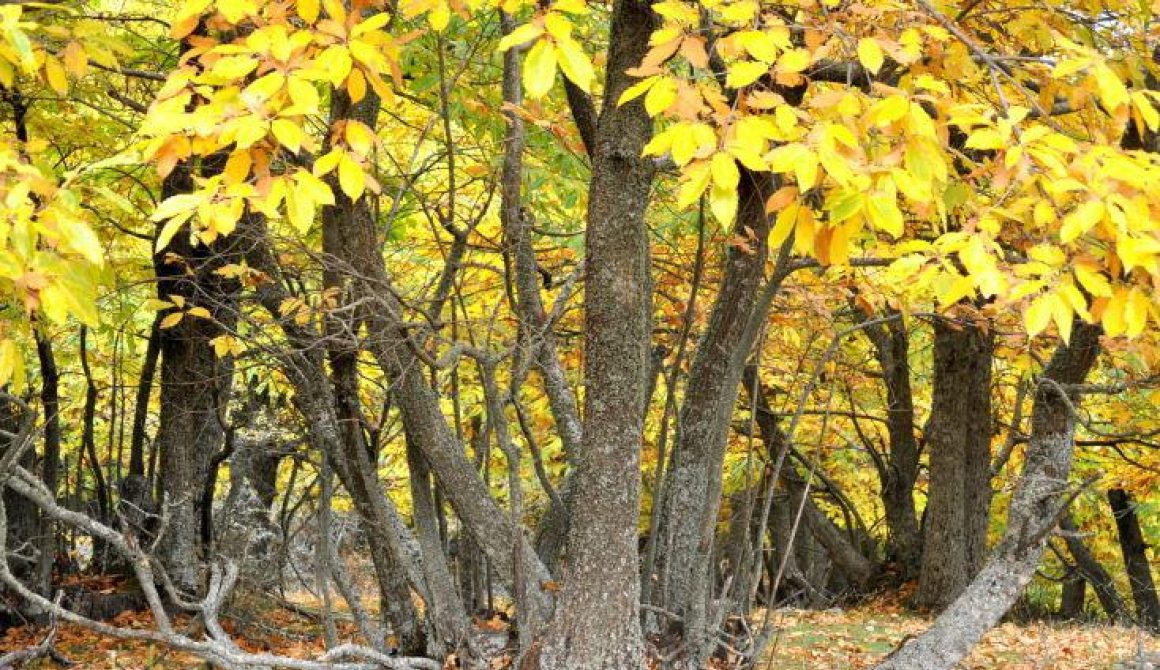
x: 884, y: 214
x: 521, y: 35
x: 574, y: 63
x: 540, y: 69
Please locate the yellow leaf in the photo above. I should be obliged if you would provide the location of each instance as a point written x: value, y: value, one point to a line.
x: 170, y: 229
x: 304, y: 95
x: 359, y: 137
x: 759, y: 45
x: 233, y: 67
x: 326, y: 163
x: 1081, y: 220
x: 723, y: 203
x: 9, y: 360
x: 794, y: 60
x: 235, y: 10
x: 912, y: 188
x: 1112, y: 91
x: 696, y: 180
x: 82, y: 239
x: 725, y: 173
x: 870, y: 54
x: 986, y: 139
x: 1038, y: 315
x: 439, y: 16
x: 744, y: 73
x: 961, y: 287
x: 308, y: 10
x: 525, y: 33
x: 300, y: 209
x: 55, y: 74
x: 888, y: 110
x: 805, y: 170
x: 1136, y: 312
x: 540, y: 69
x: 1147, y: 110
x: 237, y: 167
x: 288, y: 134
x: 200, y: 312
x: 1113, y: 313
x: 223, y: 344
x: 156, y: 304
x: 662, y: 94
x: 172, y: 320
x: 786, y: 219
x: 1092, y: 281
x: 1063, y: 316
x: 356, y: 85
x: 636, y: 90
x: 839, y: 251
x: 351, y: 178
x: 335, y: 10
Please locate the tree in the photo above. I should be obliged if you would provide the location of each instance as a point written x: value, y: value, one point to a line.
x: 486, y: 304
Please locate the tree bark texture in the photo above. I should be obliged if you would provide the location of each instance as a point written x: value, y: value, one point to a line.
x: 194, y: 383
x: 1036, y: 507
x: 597, y: 620
x: 958, y: 437
x: 693, y: 485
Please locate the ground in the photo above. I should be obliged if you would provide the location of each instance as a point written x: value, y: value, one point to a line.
x: 808, y: 640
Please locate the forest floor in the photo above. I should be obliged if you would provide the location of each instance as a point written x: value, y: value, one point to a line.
x: 815, y: 640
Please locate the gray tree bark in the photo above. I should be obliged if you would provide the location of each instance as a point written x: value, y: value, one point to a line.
x: 1036, y: 506
x: 597, y: 621
x: 693, y: 485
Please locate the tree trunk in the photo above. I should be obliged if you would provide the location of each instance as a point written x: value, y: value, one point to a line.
x: 353, y: 463
x: 446, y: 611
x: 24, y: 521
x: 904, y: 540
x: 194, y: 383
x: 50, y: 403
x: 1074, y: 594
x: 141, y: 407
x: 394, y: 549
x: 597, y: 621
x: 959, y: 437
x: 1036, y: 507
x: 1136, y: 562
x: 1092, y: 572
x: 692, y: 497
